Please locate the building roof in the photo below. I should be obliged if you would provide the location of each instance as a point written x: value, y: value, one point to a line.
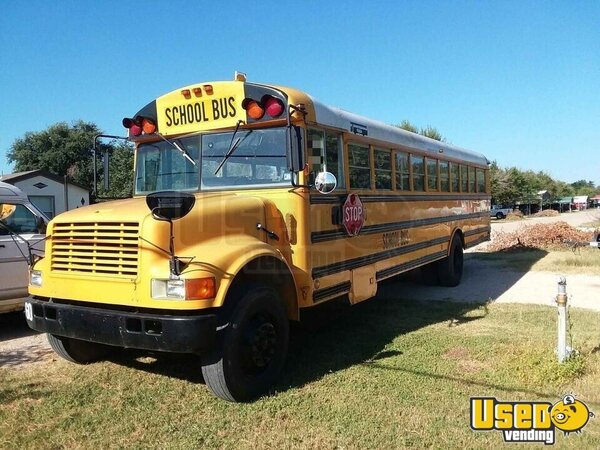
x: 566, y: 200
x: 20, y: 176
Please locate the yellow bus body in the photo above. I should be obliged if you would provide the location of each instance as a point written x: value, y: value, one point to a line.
x: 107, y: 255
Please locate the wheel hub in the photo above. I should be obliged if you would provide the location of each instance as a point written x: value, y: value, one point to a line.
x: 264, y: 344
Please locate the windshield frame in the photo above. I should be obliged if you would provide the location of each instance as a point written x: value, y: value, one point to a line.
x: 195, y: 144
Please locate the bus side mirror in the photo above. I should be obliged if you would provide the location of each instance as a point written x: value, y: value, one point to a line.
x: 294, y: 149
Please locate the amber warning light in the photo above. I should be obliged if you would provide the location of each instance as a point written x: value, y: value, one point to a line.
x: 139, y: 125
x: 268, y: 104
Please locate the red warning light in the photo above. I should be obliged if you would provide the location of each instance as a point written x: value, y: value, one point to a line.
x: 273, y: 106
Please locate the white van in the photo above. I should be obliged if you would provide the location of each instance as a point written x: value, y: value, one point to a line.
x: 21, y: 225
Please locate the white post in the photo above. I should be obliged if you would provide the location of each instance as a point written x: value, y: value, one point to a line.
x: 561, y: 301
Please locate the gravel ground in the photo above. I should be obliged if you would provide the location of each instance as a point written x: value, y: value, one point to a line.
x: 20, y: 346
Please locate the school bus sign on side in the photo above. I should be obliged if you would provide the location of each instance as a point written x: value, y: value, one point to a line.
x: 529, y: 421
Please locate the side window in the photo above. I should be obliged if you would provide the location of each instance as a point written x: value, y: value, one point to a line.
x: 45, y: 203
x: 316, y: 150
x: 418, y: 171
x: 360, y: 166
x: 383, y: 169
x: 444, y: 176
x: 18, y: 219
x: 454, y: 178
x: 325, y: 152
x: 471, y: 179
x: 402, y: 172
x: 432, y: 176
x: 334, y: 157
x: 480, y: 180
x: 464, y: 179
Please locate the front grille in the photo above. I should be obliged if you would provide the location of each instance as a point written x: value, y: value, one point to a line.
x: 102, y: 248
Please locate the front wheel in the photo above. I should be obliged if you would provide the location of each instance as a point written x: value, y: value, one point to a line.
x: 78, y: 351
x: 251, y: 354
x: 500, y: 216
x: 450, y: 269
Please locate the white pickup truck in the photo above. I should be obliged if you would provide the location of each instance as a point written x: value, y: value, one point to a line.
x: 22, y: 226
x: 499, y: 213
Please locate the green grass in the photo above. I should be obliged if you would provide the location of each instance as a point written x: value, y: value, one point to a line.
x: 581, y: 260
x: 386, y: 373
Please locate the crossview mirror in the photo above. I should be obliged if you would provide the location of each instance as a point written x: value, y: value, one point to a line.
x: 325, y: 182
x: 170, y: 205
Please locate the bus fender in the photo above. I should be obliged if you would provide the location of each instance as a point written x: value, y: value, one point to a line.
x: 258, y: 264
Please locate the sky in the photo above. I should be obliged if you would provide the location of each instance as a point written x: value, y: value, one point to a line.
x: 518, y: 81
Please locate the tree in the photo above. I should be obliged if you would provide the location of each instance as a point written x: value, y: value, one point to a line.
x: 406, y: 125
x: 64, y: 149
x: 120, y: 172
x: 428, y: 131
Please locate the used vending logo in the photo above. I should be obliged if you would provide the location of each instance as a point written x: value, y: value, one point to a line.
x: 529, y: 421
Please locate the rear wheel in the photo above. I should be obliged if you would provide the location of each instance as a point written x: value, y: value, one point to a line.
x: 77, y: 351
x: 499, y: 215
x: 450, y: 269
x: 252, y: 352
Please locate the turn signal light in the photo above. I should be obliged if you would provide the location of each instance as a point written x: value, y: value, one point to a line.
x: 200, y: 288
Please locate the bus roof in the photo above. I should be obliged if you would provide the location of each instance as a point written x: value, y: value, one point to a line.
x: 338, y: 118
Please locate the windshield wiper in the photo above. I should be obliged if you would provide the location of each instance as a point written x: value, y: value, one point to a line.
x: 177, y: 147
x: 232, y: 146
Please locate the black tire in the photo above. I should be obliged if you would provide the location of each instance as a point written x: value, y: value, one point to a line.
x: 77, y: 351
x: 499, y: 215
x: 250, y: 355
x: 450, y: 269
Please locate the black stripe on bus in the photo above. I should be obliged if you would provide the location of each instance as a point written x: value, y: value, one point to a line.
x: 355, y: 263
x: 478, y: 241
x: 328, y: 235
x: 395, y: 270
x: 337, y: 289
x: 478, y: 231
x: 372, y: 198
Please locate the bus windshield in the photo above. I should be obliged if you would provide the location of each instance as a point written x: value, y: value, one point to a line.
x: 258, y: 159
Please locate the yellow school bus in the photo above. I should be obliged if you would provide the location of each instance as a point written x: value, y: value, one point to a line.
x: 251, y: 202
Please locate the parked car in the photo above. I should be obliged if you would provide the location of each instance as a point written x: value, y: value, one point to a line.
x: 22, y: 228
x: 499, y: 213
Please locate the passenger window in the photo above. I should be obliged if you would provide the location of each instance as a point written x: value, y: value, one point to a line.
x: 383, y: 169
x: 360, y: 166
x: 402, y: 172
x: 18, y: 219
x: 432, y: 176
x: 480, y: 180
x: 325, y: 150
x: 444, y: 176
x: 418, y: 172
x: 464, y: 179
x: 471, y: 179
x: 454, y: 177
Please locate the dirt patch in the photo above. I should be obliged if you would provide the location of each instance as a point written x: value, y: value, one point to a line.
x: 20, y: 345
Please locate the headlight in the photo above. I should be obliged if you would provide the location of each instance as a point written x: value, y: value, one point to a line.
x: 191, y: 289
x: 35, y: 278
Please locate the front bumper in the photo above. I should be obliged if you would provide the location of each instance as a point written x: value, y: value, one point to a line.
x: 165, y: 333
